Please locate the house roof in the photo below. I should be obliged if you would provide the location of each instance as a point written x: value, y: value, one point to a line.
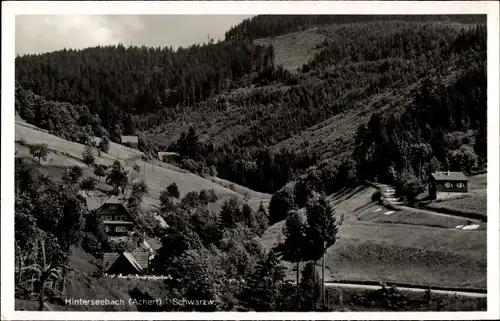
x: 82, y: 194
x: 113, y: 200
x: 132, y: 259
x: 160, y: 221
x: 94, y: 203
x: 130, y: 139
x: 154, y: 244
x: 138, y: 258
x: 108, y: 259
x: 142, y: 257
x: 161, y: 154
x: 449, y: 176
x: 116, y: 201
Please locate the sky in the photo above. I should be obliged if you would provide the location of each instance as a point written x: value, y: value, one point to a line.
x: 42, y: 33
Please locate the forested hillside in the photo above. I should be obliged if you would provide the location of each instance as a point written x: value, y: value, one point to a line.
x: 118, y: 83
x: 386, y: 99
x: 254, y: 123
x: 263, y: 26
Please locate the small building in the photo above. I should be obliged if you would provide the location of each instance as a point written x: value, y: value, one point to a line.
x: 130, y: 141
x: 446, y: 184
x: 94, y: 202
x: 96, y: 140
x: 168, y: 157
x: 161, y: 221
x: 117, y: 220
x: 152, y: 246
x: 126, y: 263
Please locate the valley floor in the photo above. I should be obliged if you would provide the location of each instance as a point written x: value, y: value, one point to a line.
x: 382, y: 245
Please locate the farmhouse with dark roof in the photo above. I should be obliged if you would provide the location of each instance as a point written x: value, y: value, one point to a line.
x: 117, y: 220
x: 446, y: 184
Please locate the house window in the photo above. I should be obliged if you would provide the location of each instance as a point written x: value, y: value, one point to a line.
x: 106, y: 228
x: 108, y: 217
x: 447, y: 185
x: 460, y: 185
x: 121, y: 229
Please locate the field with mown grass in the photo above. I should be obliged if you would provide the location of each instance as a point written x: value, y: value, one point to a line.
x: 65, y: 154
x: 402, y: 247
x: 409, y: 254
x: 376, y: 214
x: 32, y: 135
x: 474, y: 202
x: 478, y: 183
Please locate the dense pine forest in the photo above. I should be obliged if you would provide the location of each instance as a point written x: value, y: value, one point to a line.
x: 227, y: 107
x: 117, y: 83
x: 263, y: 26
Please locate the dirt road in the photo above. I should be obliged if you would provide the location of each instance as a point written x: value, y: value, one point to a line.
x: 412, y: 289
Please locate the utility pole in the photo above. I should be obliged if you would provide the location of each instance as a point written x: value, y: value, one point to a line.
x: 314, y: 299
x: 323, y: 276
x: 19, y: 264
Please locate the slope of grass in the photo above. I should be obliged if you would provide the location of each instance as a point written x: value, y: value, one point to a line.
x: 376, y: 214
x: 478, y: 183
x: 70, y: 150
x: 65, y: 153
x: 401, y: 248
x: 413, y: 254
x: 474, y: 202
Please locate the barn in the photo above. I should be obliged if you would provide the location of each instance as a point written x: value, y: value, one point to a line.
x: 169, y: 157
x: 130, y: 141
x: 117, y: 220
x: 447, y: 184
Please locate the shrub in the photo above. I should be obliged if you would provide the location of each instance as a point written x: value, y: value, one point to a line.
x: 88, y: 184
x: 88, y: 155
x: 281, y: 203
x: 104, y: 144
x: 173, y: 190
x: 100, y: 170
x: 463, y: 159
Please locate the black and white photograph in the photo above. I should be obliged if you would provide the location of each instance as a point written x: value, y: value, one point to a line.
x: 250, y: 163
